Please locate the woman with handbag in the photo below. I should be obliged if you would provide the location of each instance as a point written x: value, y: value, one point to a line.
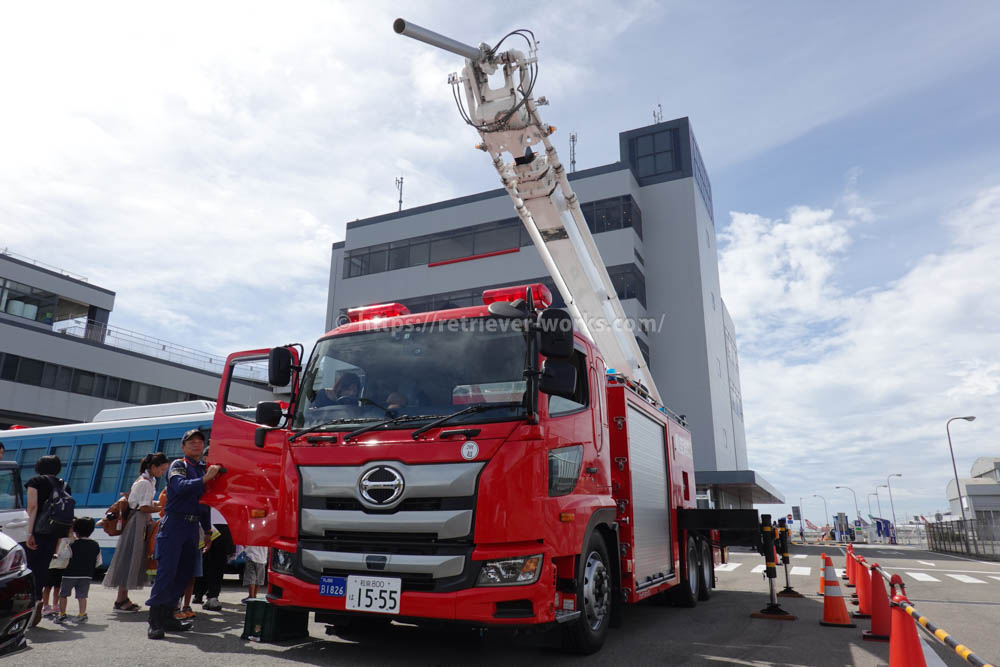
x: 42, y: 539
x: 128, y: 566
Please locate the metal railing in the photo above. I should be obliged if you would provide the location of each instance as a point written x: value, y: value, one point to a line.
x: 973, y: 537
x: 135, y: 341
x: 75, y: 276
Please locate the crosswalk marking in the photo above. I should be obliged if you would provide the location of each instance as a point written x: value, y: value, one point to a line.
x: 966, y: 579
x: 727, y: 567
x: 920, y: 576
x: 993, y: 577
x: 926, y: 563
x: 840, y: 573
x: 803, y: 571
x: 800, y: 556
x: 758, y: 569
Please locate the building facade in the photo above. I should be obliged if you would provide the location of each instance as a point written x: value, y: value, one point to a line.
x: 652, y: 218
x: 61, y: 362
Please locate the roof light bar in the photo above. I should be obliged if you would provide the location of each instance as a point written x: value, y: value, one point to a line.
x: 540, y: 294
x: 376, y: 311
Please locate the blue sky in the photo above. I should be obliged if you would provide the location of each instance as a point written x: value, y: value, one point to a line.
x: 200, y: 159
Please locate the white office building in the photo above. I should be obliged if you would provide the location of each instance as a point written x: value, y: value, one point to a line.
x: 652, y: 218
x: 61, y: 362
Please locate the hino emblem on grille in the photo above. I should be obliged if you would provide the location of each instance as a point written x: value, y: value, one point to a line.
x: 381, y: 485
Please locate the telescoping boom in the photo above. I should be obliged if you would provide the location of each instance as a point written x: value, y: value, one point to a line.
x: 508, y: 121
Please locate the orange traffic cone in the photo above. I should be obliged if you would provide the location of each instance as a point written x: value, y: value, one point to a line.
x: 864, y: 583
x: 904, y: 644
x: 880, y: 609
x: 850, y: 569
x: 834, y: 609
x: 822, y: 576
x: 847, y: 564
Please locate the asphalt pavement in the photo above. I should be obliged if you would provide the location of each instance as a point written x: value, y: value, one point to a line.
x: 719, y: 631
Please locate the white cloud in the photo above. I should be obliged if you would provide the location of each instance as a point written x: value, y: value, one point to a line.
x: 884, y: 368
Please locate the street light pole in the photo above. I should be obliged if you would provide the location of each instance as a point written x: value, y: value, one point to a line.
x: 958, y: 487
x: 856, y: 510
x: 870, y: 503
x: 825, y: 511
x: 888, y: 485
x: 879, y: 500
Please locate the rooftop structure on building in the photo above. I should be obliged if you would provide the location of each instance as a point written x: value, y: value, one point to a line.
x: 652, y: 218
x: 61, y: 361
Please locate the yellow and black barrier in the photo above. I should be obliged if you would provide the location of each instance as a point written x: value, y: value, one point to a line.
x: 963, y: 651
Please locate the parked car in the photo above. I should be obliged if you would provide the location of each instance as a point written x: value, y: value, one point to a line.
x: 17, y: 594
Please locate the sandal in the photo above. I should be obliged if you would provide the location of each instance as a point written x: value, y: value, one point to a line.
x: 126, y: 605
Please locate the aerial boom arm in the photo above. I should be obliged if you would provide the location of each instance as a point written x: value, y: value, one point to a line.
x: 507, y: 120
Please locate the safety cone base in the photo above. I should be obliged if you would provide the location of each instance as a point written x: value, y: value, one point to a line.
x: 790, y: 593
x: 774, y: 613
x: 838, y: 625
x: 858, y: 614
x: 870, y: 636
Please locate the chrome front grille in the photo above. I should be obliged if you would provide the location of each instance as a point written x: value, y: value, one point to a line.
x: 425, y: 532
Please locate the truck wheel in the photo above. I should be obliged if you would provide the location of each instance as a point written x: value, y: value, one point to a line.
x: 594, y: 589
x: 707, y: 570
x: 685, y: 594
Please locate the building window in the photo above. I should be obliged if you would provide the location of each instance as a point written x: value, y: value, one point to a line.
x: 604, y: 215
x: 654, y: 154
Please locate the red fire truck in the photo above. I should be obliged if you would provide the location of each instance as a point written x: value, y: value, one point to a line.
x: 507, y: 464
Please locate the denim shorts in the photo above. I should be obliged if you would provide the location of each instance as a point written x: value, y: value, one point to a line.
x: 81, y: 584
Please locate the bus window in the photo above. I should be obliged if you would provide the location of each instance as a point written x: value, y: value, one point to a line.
x: 83, y: 466
x: 29, y: 457
x: 63, y: 452
x: 137, y: 450
x: 106, y: 480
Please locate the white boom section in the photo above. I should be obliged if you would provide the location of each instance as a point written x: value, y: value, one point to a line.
x: 508, y: 121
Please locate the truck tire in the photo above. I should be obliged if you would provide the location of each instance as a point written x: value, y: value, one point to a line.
x: 706, y: 571
x: 686, y: 593
x: 594, y: 589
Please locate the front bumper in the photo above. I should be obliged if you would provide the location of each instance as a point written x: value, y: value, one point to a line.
x: 533, y: 604
x: 17, y: 597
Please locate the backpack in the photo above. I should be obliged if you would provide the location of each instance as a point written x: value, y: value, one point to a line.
x: 116, y: 517
x: 56, y: 515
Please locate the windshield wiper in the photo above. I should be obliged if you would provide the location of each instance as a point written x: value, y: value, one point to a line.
x: 332, y: 422
x: 395, y: 420
x: 478, y: 407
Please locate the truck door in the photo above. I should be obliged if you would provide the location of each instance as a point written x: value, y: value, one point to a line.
x: 248, y: 493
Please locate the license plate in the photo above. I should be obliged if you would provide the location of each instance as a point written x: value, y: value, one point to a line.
x: 335, y: 587
x: 376, y: 594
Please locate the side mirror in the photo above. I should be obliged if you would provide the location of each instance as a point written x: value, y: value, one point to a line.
x: 268, y: 413
x: 558, y: 378
x: 555, y: 333
x: 279, y: 366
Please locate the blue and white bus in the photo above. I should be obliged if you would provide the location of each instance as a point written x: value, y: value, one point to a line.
x: 101, y: 458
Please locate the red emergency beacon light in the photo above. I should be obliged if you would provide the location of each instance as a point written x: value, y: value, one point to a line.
x: 540, y: 294
x: 362, y: 313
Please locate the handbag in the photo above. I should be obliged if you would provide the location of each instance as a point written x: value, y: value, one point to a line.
x: 62, y: 555
x: 117, y: 516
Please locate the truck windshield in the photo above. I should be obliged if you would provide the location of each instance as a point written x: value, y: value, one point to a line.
x: 429, y: 370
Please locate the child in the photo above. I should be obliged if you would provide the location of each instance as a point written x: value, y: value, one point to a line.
x: 60, y: 559
x: 85, y: 559
x: 255, y: 570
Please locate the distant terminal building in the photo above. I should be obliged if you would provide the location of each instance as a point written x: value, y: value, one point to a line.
x: 652, y: 217
x: 60, y: 360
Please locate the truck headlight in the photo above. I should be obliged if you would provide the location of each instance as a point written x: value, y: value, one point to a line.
x: 511, y: 571
x: 564, y: 469
x: 282, y: 561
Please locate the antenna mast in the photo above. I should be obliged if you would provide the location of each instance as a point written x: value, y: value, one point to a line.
x: 658, y: 114
x: 399, y: 186
x: 572, y: 152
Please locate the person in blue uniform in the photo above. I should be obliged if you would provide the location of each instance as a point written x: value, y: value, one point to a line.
x: 177, y: 538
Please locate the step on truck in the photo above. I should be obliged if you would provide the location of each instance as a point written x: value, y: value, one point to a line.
x: 505, y: 464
